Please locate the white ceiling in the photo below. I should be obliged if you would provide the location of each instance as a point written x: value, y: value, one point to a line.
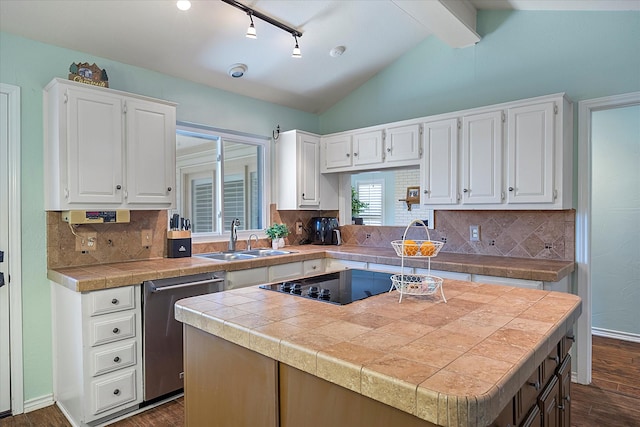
x: 201, y: 44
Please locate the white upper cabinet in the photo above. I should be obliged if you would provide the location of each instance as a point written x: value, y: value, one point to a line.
x: 439, y: 169
x: 106, y: 149
x: 531, y: 153
x: 367, y: 148
x: 482, y: 149
x: 299, y: 183
x: 336, y: 152
x: 402, y: 144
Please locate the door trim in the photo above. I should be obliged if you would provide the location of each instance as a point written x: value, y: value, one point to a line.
x: 15, y: 248
x: 583, y: 223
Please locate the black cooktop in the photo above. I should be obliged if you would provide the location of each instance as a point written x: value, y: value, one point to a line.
x: 340, y: 288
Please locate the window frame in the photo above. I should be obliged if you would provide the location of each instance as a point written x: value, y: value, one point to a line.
x: 221, y: 136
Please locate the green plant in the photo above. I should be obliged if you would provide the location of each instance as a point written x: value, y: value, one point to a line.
x: 276, y: 231
x: 356, y: 205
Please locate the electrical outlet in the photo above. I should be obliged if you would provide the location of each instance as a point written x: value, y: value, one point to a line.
x: 147, y: 237
x: 87, y: 241
x: 474, y: 233
x: 298, y: 227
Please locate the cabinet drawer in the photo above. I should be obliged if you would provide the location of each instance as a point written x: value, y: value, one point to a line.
x: 313, y: 266
x: 285, y: 271
x: 338, y: 264
x: 111, y: 300
x: 111, y: 328
x: 113, y: 357
x: 114, y: 390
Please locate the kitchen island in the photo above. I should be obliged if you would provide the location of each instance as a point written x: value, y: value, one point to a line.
x: 257, y: 357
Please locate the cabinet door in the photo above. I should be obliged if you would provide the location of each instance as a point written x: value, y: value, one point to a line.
x: 482, y: 158
x: 151, y: 152
x: 367, y: 148
x: 564, y: 376
x: 308, y: 170
x: 337, y: 151
x: 530, y: 148
x: 403, y: 143
x: 439, y: 170
x: 548, y: 403
x: 94, y: 147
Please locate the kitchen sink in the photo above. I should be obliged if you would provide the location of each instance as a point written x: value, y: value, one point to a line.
x: 242, y: 255
x: 265, y: 252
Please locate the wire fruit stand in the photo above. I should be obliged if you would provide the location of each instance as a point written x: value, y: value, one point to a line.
x: 416, y: 284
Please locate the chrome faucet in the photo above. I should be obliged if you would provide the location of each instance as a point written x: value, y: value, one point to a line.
x: 249, y: 241
x: 233, y: 237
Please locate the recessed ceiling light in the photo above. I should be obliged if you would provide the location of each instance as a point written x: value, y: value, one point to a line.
x: 183, y: 4
x: 337, y: 51
x: 237, y: 70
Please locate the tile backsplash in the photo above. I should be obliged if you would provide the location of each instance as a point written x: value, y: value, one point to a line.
x: 522, y: 234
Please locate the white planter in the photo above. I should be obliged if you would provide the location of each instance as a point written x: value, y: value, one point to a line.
x: 274, y: 244
x: 281, y: 242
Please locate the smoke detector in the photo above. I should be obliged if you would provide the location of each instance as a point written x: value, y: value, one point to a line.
x: 337, y: 51
x: 237, y: 70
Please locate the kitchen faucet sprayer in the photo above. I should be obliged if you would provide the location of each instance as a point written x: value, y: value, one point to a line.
x: 233, y: 237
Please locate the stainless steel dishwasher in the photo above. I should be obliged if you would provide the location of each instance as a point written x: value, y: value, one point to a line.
x: 162, y: 333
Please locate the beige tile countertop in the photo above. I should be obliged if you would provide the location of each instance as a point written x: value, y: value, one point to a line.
x: 452, y: 364
x: 95, y: 277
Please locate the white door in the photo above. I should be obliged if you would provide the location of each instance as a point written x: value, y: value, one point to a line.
x: 482, y: 158
x: 309, y: 170
x: 9, y: 108
x: 439, y: 169
x: 337, y: 151
x: 367, y: 148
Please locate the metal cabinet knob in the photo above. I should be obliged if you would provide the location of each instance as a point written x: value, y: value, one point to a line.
x: 116, y: 359
x: 118, y: 187
x: 425, y: 191
x: 465, y: 191
x: 115, y: 301
x: 169, y: 189
x: 348, y: 155
x: 510, y: 188
x: 389, y: 150
x: 116, y: 330
x: 116, y: 392
x: 355, y: 154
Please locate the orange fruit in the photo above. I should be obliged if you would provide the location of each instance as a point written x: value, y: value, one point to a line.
x: 427, y: 248
x: 410, y: 248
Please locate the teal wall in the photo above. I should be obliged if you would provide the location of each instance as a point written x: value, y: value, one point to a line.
x: 521, y: 55
x: 31, y: 65
x: 615, y: 219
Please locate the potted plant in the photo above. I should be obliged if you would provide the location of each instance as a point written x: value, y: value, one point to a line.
x: 277, y: 232
x: 356, y: 207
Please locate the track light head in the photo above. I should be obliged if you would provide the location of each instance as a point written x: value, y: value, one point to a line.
x: 296, y: 50
x: 251, y: 31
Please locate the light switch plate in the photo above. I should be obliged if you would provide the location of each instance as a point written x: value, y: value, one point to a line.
x: 474, y: 233
x: 147, y: 237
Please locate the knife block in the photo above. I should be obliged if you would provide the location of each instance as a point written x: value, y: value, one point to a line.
x: 178, y: 244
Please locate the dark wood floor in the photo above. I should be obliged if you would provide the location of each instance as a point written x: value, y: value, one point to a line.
x: 612, y: 400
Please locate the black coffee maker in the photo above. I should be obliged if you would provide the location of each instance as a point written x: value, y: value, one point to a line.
x: 325, y: 231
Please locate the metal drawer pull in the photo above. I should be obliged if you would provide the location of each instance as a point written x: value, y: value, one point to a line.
x: 115, y: 301
x: 116, y: 330
x: 535, y: 385
x: 571, y: 338
x: 116, y: 359
x: 184, y: 285
x: 555, y: 359
x: 116, y: 392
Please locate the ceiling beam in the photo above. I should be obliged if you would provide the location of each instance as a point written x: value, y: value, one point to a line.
x: 452, y: 21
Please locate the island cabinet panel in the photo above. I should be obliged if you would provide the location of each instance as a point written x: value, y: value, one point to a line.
x: 227, y: 385
x: 309, y: 401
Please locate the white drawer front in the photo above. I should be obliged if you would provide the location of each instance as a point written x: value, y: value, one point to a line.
x: 113, y: 391
x: 117, y: 327
x: 285, y: 271
x: 113, y: 357
x: 111, y: 300
x: 313, y: 266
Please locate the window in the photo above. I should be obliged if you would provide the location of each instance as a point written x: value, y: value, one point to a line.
x: 371, y: 192
x: 220, y: 177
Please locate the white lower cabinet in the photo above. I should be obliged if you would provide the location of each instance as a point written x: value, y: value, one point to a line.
x: 243, y: 278
x: 97, y: 352
x: 292, y: 270
x: 313, y: 266
x: 333, y: 264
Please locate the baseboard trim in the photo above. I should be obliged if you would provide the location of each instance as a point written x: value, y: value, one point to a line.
x: 623, y: 336
x: 38, y: 403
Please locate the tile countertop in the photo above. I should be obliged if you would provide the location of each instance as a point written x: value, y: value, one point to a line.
x: 453, y: 364
x: 95, y: 277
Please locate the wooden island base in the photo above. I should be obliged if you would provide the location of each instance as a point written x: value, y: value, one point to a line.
x: 229, y: 385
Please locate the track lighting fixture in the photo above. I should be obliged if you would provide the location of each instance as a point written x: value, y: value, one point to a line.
x: 251, y: 31
x: 183, y: 5
x: 296, y: 50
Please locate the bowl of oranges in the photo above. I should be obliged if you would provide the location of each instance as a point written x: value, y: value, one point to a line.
x: 417, y: 248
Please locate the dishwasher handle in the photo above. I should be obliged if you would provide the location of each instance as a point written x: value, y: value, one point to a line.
x: 155, y: 289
